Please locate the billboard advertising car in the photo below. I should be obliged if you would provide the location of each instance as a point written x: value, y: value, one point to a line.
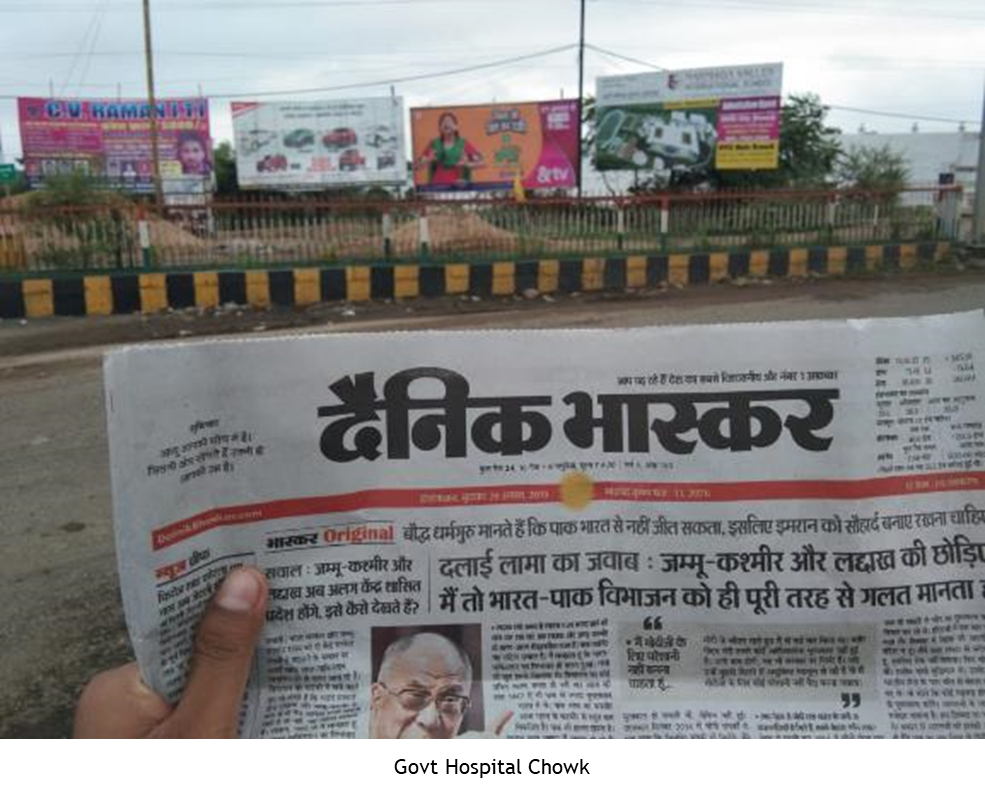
x: 111, y: 139
x: 310, y: 145
x: 726, y: 118
x: 487, y: 147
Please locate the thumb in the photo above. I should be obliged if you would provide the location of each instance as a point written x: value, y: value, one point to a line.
x: 221, y: 658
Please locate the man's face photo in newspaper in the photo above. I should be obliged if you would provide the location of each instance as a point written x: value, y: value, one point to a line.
x: 422, y: 690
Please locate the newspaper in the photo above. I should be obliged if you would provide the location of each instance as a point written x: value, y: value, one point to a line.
x: 772, y: 530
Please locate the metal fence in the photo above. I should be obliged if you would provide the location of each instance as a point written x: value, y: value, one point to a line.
x: 296, y: 231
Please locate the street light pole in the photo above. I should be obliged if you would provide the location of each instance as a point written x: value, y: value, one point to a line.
x: 581, y: 93
x: 152, y: 109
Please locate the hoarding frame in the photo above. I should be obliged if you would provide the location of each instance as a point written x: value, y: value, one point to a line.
x: 331, y: 143
x: 648, y: 122
x: 506, y: 182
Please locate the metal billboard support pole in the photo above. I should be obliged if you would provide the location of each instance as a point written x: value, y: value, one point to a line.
x: 978, y: 235
x: 581, y: 93
x: 152, y: 102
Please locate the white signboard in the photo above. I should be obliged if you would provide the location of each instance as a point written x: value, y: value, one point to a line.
x: 720, y: 82
x: 320, y: 144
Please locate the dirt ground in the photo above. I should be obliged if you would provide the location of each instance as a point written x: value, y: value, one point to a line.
x: 60, y: 614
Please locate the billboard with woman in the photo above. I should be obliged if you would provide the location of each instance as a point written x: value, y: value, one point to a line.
x: 487, y: 147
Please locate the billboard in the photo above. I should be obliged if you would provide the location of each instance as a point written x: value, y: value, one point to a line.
x: 110, y: 139
x: 726, y: 118
x: 487, y: 147
x: 310, y: 145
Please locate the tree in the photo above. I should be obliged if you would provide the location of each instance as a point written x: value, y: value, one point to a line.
x: 226, y: 179
x: 75, y: 190
x: 809, y: 148
x: 79, y: 208
x: 876, y: 169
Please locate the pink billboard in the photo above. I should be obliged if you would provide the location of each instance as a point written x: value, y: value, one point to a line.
x: 111, y: 139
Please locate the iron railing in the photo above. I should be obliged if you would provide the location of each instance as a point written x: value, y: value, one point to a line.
x: 298, y: 231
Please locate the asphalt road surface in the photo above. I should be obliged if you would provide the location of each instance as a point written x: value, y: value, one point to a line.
x: 60, y: 613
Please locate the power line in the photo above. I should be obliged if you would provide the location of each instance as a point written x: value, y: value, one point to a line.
x: 240, y: 5
x: 888, y: 114
x: 388, y: 81
x: 179, y: 87
x: 919, y: 62
x: 853, y: 10
x: 798, y: 8
x: 478, y: 67
x: 626, y: 58
x: 610, y: 61
x: 885, y: 113
x: 80, y: 52
x: 399, y: 80
x: 265, y: 5
x: 617, y: 63
x: 92, y: 45
x: 296, y: 55
x: 891, y: 63
x: 452, y: 94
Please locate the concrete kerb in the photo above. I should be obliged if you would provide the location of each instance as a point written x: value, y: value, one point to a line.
x: 126, y: 292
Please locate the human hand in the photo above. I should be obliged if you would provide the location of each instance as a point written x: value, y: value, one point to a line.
x: 117, y: 703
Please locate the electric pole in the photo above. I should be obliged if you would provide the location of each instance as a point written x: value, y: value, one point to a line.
x: 581, y: 92
x: 152, y: 103
x: 978, y: 235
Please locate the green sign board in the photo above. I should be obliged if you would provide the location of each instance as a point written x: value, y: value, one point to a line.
x: 8, y: 174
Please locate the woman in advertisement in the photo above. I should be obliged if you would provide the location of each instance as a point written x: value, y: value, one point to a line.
x: 449, y: 157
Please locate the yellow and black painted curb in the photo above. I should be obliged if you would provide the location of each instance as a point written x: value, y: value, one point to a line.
x: 129, y: 292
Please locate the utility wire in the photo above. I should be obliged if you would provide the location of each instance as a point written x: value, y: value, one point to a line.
x: 797, y: 8
x: 239, y: 5
x: 663, y: 5
x: 853, y: 9
x: 626, y: 58
x: 613, y: 62
x: 841, y: 63
x: 77, y: 56
x: 884, y: 113
x: 389, y: 81
x: 399, y: 80
x: 188, y: 84
x: 92, y: 45
x: 905, y: 116
x: 520, y: 59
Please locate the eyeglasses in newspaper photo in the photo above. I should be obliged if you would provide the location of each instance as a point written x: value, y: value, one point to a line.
x: 417, y: 699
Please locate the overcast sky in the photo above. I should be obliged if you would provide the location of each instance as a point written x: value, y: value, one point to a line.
x: 912, y: 57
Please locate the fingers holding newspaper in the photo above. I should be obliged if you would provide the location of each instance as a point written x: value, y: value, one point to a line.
x: 117, y: 703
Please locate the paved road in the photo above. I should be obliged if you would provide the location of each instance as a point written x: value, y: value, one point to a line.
x: 60, y: 613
